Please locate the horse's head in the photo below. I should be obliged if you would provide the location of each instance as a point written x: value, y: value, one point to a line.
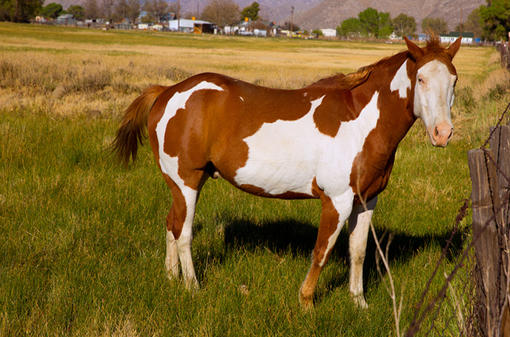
x: 434, y: 82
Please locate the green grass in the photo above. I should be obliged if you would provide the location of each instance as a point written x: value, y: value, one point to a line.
x: 83, y: 239
x: 83, y: 248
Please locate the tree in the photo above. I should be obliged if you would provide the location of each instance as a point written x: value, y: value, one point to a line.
x: 434, y: 25
x: 19, y: 10
x: 133, y: 10
x: 287, y: 26
x: 384, y: 25
x: 369, y: 19
x: 51, y: 11
x: 251, y: 12
x: 221, y: 12
x: 472, y: 24
x: 108, y: 11
x: 404, y: 25
x: 495, y: 19
x: 317, y: 32
x: 77, y: 11
x: 156, y: 8
x: 351, y: 27
x: 91, y: 9
x: 374, y: 23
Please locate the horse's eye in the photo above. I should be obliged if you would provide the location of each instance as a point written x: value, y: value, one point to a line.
x: 420, y: 80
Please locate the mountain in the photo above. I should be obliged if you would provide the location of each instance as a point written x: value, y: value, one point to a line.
x: 272, y: 10
x: 330, y: 13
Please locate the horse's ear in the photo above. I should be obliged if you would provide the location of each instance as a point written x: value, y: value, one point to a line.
x: 454, y: 47
x: 415, y: 51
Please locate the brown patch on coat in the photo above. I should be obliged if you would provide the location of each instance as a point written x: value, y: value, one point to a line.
x: 330, y: 114
x: 262, y: 193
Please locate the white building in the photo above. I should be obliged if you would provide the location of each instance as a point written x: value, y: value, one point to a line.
x: 467, y: 38
x: 328, y: 32
x: 190, y: 26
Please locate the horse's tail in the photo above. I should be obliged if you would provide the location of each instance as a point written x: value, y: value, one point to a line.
x: 134, y: 122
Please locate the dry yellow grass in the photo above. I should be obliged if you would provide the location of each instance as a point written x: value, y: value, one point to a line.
x: 63, y: 77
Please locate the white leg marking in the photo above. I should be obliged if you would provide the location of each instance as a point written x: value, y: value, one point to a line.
x: 172, y: 257
x: 343, y: 205
x: 184, y: 241
x: 170, y: 166
x: 359, y: 223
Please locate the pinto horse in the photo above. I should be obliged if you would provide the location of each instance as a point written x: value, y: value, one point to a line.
x: 334, y: 140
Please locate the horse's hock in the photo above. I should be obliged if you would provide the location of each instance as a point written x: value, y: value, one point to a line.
x: 490, y: 174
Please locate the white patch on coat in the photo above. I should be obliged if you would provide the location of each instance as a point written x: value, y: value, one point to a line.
x: 285, y: 156
x: 169, y: 166
x: 343, y: 205
x: 242, y: 99
x: 401, y: 81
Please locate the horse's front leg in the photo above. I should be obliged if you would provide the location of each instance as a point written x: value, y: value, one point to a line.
x: 335, y: 210
x: 359, y: 223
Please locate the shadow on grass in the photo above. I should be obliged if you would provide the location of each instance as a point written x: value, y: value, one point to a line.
x: 299, y: 238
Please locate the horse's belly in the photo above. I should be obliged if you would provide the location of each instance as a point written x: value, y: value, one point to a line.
x: 282, y: 158
x: 276, y: 177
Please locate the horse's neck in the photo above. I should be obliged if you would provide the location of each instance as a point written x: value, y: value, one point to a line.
x: 395, y: 101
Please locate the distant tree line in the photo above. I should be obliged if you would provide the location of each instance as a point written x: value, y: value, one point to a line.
x: 490, y: 22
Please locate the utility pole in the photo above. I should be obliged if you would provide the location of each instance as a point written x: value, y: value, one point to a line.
x: 461, y: 22
x: 178, y: 14
x: 291, y: 20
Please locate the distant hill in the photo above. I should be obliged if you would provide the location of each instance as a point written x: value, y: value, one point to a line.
x: 330, y: 13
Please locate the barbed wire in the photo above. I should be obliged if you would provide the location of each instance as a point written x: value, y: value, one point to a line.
x: 434, y: 305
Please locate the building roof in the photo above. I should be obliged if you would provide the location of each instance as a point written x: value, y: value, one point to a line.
x: 457, y: 34
x: 188, y: 21
x: 65, y: 16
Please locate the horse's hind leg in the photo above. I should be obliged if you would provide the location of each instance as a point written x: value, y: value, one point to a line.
x: 179, y: 227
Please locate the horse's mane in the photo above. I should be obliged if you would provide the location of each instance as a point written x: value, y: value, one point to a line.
x: 354, y: 79
x: 342, y: 81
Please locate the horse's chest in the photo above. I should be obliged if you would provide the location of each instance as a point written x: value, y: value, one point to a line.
x: 286, y: 156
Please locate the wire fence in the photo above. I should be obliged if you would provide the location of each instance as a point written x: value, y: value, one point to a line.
x: 473, y: 299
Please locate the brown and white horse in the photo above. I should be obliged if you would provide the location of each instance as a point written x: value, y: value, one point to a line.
x: 334, y: 140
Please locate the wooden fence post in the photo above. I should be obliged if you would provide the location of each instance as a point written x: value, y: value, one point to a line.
x: 488, y: 170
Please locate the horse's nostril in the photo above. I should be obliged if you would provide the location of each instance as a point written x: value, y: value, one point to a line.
x: 436, y: 131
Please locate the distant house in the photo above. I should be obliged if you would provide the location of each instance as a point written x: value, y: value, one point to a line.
x: 328, y: 32
x: 191, y: 26
x: 467, y: 37
x: 394, y: 36
x: 65, y: 19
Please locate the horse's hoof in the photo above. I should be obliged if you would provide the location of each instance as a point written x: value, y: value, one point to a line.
x: 306, y: 302
x: 359, y: 300
x: 192, y: 285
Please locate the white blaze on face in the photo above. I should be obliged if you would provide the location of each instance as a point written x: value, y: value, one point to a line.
x: 401, y: 81
x: 434, y: 96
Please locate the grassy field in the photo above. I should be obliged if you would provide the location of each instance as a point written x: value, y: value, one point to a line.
x: 82, y: 244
